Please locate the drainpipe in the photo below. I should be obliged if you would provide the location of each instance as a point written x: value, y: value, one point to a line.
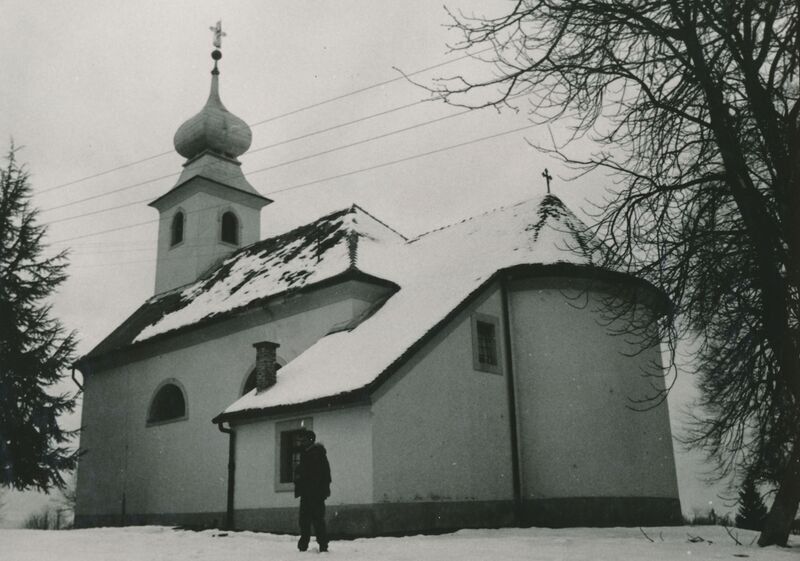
x: 231, y: 474
x: 512, y: 404
x: 75, y: 380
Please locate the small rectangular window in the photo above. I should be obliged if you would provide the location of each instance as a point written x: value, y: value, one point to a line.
x: 291, y: 441
x: 287, y: 451
x: 485, y: 344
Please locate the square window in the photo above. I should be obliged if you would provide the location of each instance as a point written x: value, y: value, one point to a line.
x: 291, y: 447
x: 288, y: 447
x: 485, y: 344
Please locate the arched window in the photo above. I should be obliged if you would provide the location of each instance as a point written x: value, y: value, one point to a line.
x: 250, y: 383
x: 177, y: 229
x: 230, y: 228
x: 168, y: 404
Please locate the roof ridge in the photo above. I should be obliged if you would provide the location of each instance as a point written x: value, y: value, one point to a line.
x: 287, y: 233
x: 238, y: 253
x: 376, y: 219
x: 475, y: 216
x: 294, y: 230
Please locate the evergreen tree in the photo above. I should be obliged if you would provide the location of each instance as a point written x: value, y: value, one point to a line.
x: 752, y: 510
x: 35, y: 351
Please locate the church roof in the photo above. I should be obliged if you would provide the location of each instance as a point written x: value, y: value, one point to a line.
x: 436, y: 272
x: 344, y: 243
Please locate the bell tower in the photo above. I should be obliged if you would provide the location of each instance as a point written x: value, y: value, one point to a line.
x: 212, y: 210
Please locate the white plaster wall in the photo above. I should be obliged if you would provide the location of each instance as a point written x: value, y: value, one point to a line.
x: 578, y: 436
x: 181, y: 467
x: 103, y: 424
x: 346, y: 435
x: 201, y: 246
x: 441, y: 428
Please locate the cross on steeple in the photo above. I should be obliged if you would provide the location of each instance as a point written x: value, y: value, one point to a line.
x: 218, y: 34
x: 547, y: 177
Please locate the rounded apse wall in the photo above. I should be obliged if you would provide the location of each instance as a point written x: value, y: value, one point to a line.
x: 587, y: 455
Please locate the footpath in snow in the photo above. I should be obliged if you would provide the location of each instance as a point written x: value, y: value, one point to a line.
x: 154, y: 543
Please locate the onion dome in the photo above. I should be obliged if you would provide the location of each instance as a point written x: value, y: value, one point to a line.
x: 214, y: 128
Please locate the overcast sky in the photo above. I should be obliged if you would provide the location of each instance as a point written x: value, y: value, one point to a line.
x: 92, y: 86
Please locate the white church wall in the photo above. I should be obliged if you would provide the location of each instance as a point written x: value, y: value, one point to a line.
x: 181, y: 466
x: 346, y: 435
x: 441, y: 428
x: 102, y: 468
x: 579, y: 437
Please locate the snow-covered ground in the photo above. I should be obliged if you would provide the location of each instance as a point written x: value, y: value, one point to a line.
x: 154, y: 543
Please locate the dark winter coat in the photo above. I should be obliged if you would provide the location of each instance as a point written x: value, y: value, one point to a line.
x: 313, y: 475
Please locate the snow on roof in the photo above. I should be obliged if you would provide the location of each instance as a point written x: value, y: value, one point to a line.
x: 321, y: 250
x: 435, y: 272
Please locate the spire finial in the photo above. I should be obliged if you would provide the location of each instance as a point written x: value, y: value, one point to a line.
x: 218, y: 34
x: 547, y: 177
x: 216, y: 54
x: 214, y: 128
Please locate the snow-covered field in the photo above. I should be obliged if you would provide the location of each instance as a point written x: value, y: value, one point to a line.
x: 153, y: 543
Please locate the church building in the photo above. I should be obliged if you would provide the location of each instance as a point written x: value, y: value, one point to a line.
x: 466, y: 377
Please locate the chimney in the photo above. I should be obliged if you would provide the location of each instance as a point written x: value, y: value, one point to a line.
x: 265, y: 365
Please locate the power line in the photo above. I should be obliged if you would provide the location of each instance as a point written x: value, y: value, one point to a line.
x: 373, y: 86
x: 120, y: 243
x: 348, y: 123
x: 275, y: 166
x: 401, y: 160
x: 151, y: 247
x: 100, y: 211
x: 85, y: 251
x: 154, y: 249
x: 106, y: 194
x: 101, y: 173
x: 105, y: 231
x: 275, y: 118
x: 329, y: 178
x: 301, y: 137
x: 259, y: 170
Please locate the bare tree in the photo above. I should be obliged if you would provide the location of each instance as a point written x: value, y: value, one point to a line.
x: 693, y: 104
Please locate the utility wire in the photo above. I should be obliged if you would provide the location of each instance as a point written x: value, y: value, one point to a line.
x: 406, y: 159
x: 301, y: 137
x: 260, y: 170
x: 106, y: 172
x: 106, y: 194
x: 334, y: 127
x: 106, y: 231
x: 253, y: 172
x: 329, y: 178
x: 275, y: 118
x: 373, y: 86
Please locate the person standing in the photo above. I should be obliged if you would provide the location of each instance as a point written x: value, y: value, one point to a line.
x: 312, y: 484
